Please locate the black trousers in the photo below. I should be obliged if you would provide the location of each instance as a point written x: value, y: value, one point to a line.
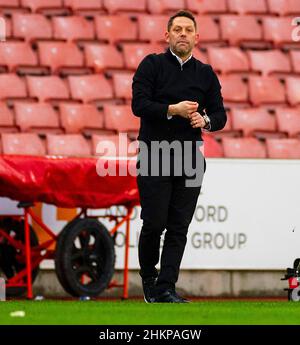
x: 167, y: 203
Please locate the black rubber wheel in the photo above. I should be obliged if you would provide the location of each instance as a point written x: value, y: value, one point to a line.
x: 10, y: 263
x: 58, y: 263
x: 84, y: 257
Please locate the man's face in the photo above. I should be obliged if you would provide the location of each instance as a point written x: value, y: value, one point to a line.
x: 182, y: 36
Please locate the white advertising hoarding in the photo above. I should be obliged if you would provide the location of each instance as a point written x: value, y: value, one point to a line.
x: 247, y: 217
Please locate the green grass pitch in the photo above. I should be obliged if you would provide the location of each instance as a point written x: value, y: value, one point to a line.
x: 139, y: 313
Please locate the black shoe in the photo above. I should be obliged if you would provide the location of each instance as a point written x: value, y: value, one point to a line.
x: 169, y: 296
x: 148, y: 287
x: 184, y: 300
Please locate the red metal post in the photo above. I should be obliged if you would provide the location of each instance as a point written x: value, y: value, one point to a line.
x: 127, y: 236
x: 41, y: 223
x: 28, y: 256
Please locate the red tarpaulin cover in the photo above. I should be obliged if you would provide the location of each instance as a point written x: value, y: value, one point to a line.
x: 65, y: 182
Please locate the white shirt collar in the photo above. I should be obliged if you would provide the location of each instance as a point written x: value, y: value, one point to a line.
x: 180, y: 60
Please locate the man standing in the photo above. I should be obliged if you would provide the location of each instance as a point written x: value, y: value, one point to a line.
x: 175, y: 96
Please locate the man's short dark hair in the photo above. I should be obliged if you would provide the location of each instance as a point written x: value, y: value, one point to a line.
x: 182, y: 13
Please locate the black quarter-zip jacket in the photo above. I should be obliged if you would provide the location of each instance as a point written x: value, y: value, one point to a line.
x: 159, y: 81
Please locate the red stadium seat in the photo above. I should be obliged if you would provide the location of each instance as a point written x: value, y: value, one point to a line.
x: 47, y: 88
x: 212, y: 149
x: 241, y: 29
x: 76, y: 118
x: 115, y: 6
x: 73, y: 28
x: 207, y: 6
x: 103, y: 56
x: 246, y: 6
x: 90, y: 88
x: 288, y: 120
x: 109, y: 145
x: 6, y: 119
x: 84, y: 5
x: 67, y: 145
x: 208, y: 30
x: 122, y: 82
x: 200, y: 55
x: 6, y: 28
x: 284, y: 7
x: 12, y: 86
x: 134, y: 53
x: 9, y: 3
x: 228, y: 60
x: 295, y: 57
x: 17, y: 55
x: 234, y: 89
x: 243, y: 148
x: 31, y: 27
x: 22, y: 144
x: 113, y: 139
x: 165, y: 6
x: 152, y: 28
x: 270, y: 61
x: 37, y: 117
x: 120, y: 118
x: 252, y: 120
x: 42, y: 5
x: 293, y: 90
x: 267, y: 90
x: 283, y: 148
x: 60, y: 55
x: 111, y: 28
x: 279, y: 31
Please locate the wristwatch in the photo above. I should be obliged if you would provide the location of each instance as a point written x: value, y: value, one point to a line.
x: 207, y: 121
